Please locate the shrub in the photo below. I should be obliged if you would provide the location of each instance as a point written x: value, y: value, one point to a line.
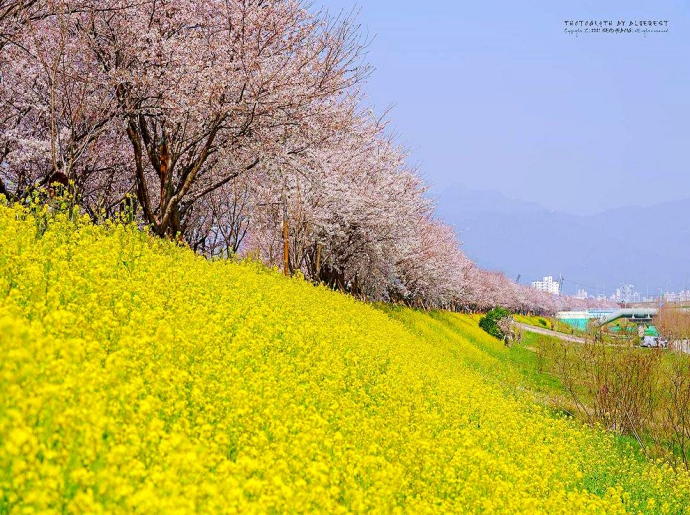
x: 490, y: 322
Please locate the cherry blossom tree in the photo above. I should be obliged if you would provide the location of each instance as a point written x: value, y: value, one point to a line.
x: 432, y: 271
x: 349, y: 214
x: 58, y: 118
x: 200, y: 91
x: 14, y: 15
x: 206, y: 89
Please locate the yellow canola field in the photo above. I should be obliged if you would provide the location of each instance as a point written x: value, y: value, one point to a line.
x: 137, y: 377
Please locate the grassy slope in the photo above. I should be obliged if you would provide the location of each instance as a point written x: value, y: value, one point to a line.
x: 546, y: 322
x: 135, y: 376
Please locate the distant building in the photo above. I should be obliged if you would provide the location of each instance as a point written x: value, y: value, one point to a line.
x: 683, y: 296
x: 626, y: 293
x: 581, y: 294
x: 547, y: 285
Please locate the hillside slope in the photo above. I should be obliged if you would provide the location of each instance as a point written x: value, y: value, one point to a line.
x: 136, y: 377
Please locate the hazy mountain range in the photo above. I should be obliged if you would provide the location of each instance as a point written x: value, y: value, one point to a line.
x: 648, y: 247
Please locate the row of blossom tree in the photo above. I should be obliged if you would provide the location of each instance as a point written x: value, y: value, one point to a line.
x: 238, y: 126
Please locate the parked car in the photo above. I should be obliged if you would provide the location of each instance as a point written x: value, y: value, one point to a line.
x: 650, y: 341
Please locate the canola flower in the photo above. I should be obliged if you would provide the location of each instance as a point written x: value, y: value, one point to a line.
x: 137, y: 377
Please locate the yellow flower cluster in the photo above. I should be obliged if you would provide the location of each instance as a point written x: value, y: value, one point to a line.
x: 136, y: 377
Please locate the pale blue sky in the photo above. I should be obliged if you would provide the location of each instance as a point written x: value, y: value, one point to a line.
x: 494, y: 95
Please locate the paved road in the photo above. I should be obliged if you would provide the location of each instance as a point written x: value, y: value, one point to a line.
x: 548, y: 332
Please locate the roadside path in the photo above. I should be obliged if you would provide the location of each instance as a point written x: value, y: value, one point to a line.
x: 548, y: 332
